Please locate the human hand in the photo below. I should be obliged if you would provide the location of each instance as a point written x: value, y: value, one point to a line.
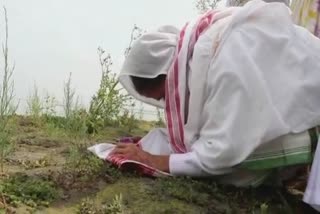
x: 132, y: 152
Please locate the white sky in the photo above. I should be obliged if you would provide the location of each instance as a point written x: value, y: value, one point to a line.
x: 50, y: 38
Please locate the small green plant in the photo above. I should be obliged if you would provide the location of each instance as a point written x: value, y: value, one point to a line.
x: 136, y: 32
x: 75, y: 117
x: 82, y: 167
x: 127, y: 120
x: 82, y: 164
x: 108, y: 103
x: 77, y: 122
x: 69, y: 102
x: 7, y: 106
x: 205, y: 5
x: 34, y: 105
x: 5, y: 148
x: 115, y: 207
x: 49, y: 105
x: 32, y: 191
x: 87, y: 206
x: 42, y: 162
x: 39, y: 108
x: 160, y: 118
x: 237, y: 3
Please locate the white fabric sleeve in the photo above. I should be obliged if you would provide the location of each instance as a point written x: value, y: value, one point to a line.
x: 156, y: 142
x: 188, y: 164
x: 185, y: 164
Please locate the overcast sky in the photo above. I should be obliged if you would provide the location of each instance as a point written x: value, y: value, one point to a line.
x: 50, y: 38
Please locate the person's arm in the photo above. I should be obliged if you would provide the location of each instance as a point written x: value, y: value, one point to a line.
x: 160, y: 162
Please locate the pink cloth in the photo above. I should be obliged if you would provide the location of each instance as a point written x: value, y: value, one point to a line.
x: 155, y: 143
x: 103, y: 151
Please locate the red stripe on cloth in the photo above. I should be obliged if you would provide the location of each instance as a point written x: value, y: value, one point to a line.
x: 174, y: 113
x: 174, y: 110
x: 169, y: 116
x: 177, y: 97
x: 147, y: 170
x: 119, y: 161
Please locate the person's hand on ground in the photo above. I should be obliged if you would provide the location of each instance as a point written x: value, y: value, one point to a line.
x: 133, y: 152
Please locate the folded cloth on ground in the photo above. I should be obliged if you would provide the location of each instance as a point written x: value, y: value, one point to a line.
x: 103, y: 151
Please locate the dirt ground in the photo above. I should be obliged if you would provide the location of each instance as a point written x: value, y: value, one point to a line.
x: 51, y: 155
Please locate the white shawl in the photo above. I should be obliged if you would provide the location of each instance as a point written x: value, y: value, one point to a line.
x: 253, y: 78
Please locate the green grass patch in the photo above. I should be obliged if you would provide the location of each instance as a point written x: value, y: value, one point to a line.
x: 31, y: 191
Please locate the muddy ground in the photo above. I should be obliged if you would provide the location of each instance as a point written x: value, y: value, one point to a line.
x: 50, y: 171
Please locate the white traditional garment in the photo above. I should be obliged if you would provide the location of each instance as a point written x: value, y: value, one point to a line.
x: 243, y: 93
x: 153, y: 51
x: 240, y: 104
x: 250, y: 90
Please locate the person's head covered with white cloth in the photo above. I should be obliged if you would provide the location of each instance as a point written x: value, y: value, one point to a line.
x: 150, y: 58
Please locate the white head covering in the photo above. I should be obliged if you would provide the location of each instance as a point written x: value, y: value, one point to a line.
x: 150, y: 56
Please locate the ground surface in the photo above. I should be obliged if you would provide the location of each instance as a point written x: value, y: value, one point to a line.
x: 50, y: 171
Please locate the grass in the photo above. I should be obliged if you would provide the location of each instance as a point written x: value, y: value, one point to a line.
x: 87, y: 206
x: 31, y: 191
x: 51, y: 159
